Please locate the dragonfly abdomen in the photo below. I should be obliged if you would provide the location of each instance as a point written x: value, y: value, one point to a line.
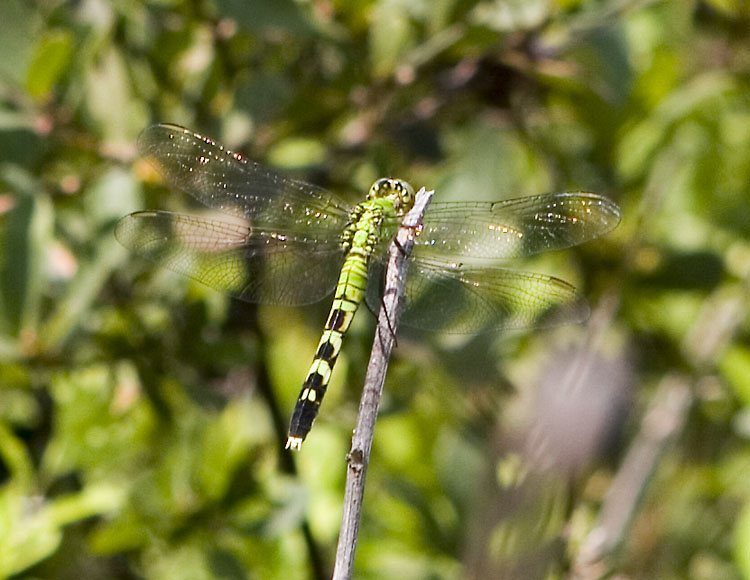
x: 386, y: 198
x: 361, y: 237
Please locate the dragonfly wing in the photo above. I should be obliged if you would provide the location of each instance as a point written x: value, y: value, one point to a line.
x: 514, y: 228
x: 226, y: 181
x: 262, y: 266
x: 465, y: 299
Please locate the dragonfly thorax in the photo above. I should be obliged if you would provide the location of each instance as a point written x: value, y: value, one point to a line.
x: 397, y: 191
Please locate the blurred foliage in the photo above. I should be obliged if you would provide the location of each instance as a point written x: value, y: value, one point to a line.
x: 142, y: 415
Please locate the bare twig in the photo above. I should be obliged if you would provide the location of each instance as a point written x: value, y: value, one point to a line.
x: 359, y: 455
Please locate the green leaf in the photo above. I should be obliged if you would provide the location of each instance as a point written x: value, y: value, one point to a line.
x: 391, y: 36
x: 735, y: 366
x: 31, y: 529
x: 296, y: 153
x: 49, y: 62
x: 27, y: 232
x: 28, y: 532
x: 102, y: 424
x: 17, y: 25
x: 226, y: 445
x: 742, y: 541
x: 264, y: 14
x: 110, y: 98
x: 15, y: 457
x: 510, y: 15
x: 114, y: 194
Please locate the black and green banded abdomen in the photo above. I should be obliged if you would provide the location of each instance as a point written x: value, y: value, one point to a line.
x: 387, y: 197
x: 350, y: 292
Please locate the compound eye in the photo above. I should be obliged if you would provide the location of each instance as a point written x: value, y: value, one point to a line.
x: 377, y: 187
x: 407, y: 193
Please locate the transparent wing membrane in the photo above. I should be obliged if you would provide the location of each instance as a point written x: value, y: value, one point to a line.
x: 223, y: 180
x: 255, y: 265
x: 465, y: 299
x: 514, y: 228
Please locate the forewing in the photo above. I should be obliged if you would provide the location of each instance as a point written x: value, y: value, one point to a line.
x: 514, y: 228
x: 255, y: 265
x: 226, y: 181
x: 466, y: 300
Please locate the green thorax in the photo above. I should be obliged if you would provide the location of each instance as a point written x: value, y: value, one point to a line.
x: 387, y: 198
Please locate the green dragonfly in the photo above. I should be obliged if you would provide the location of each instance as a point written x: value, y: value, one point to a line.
x: 285, y: 241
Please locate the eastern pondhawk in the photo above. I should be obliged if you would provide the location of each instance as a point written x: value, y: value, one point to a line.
x: 295, y: 243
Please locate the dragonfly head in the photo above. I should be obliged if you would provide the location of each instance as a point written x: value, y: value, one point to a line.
x: 400, y: 193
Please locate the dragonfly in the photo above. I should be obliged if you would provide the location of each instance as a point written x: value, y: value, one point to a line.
x: 284, y: 241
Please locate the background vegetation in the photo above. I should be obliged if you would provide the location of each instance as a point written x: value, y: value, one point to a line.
x: 142, y: 416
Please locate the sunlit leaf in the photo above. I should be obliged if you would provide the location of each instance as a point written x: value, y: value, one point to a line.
x: 51, y: 57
